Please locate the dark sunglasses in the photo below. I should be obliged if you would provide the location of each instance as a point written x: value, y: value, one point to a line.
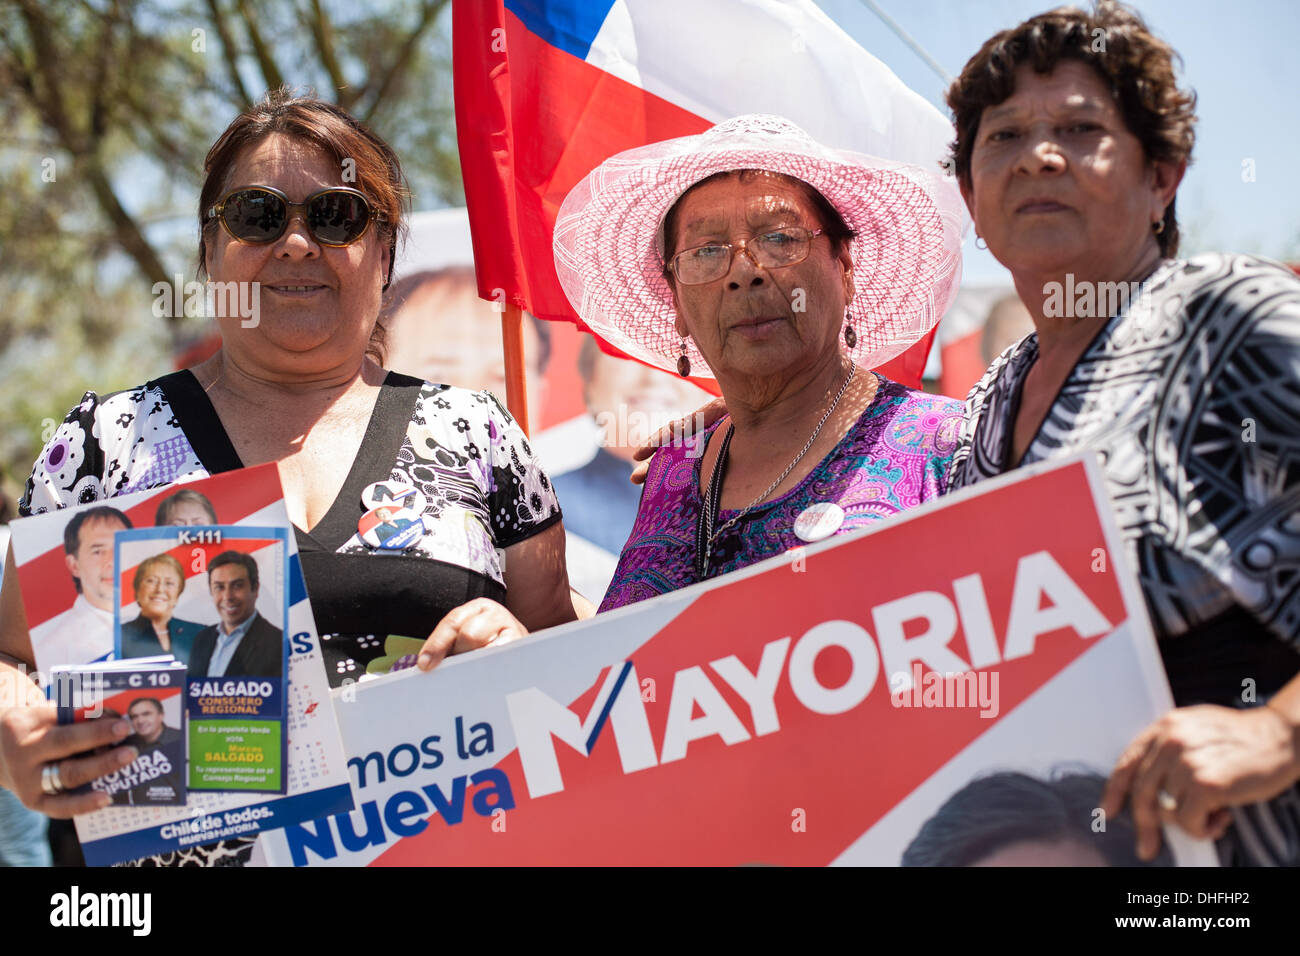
x: 337, y: 216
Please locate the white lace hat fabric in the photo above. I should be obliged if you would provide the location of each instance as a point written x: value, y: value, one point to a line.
x: 608, y: 239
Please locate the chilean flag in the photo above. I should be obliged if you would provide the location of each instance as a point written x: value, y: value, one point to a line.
x: 546, y: 90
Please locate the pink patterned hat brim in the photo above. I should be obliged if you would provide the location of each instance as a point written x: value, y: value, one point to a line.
x: 906, y: 256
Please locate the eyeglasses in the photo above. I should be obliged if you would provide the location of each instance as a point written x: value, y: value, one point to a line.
x: 337, y: 216
x: 771, y: 250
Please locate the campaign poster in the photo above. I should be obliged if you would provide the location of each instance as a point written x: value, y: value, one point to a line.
x: 216, y: 595
x: 827, y: 706
x: 65, y: 568
x: 151, y: 696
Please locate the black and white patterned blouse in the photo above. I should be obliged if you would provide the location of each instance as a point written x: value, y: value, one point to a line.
x: 483, y: 489
x: 1191, y: 396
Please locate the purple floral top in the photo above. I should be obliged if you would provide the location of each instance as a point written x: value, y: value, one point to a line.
x: 894, y: 458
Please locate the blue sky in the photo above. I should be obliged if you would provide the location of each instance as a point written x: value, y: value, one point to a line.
x: 1240, y: 58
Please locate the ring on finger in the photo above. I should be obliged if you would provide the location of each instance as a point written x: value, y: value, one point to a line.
x: 1168, y: 802
x: 51, y: 780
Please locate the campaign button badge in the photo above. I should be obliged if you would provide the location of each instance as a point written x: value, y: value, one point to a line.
x: 397, y: 494
x: 390, y: 528
x: 818, y: 521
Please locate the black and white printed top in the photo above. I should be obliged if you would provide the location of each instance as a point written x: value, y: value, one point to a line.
x: 1191, y: 395
x: 483, y: 488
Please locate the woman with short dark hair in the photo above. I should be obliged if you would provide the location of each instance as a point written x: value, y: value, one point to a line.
x: 1072, y: 138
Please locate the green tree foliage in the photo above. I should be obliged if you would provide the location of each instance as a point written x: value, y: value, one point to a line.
x: 107, y: 108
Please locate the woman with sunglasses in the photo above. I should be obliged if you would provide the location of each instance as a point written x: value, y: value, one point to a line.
x: 300, y: 209
x: 788, y: 271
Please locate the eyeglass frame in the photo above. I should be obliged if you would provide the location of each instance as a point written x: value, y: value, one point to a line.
x: 742, y: 245
x: 372, y: 214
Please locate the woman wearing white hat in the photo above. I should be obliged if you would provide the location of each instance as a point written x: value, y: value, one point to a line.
x: 786, y: 270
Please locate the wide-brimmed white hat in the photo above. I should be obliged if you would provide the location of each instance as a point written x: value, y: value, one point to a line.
x: 906, y: 256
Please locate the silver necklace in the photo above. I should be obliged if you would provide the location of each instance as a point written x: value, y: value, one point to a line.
x: 707, y: 537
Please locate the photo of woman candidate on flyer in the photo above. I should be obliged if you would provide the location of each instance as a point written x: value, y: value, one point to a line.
x: 213, y: 601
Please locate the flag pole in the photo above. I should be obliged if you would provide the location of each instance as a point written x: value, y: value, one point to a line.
x: 512, y: 340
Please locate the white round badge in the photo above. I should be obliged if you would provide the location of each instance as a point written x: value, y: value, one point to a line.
x: 818, y: 521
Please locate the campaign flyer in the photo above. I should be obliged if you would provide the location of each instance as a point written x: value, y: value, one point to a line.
x: 215, y: 595
x: 151, y: 695
x: 64, y: 565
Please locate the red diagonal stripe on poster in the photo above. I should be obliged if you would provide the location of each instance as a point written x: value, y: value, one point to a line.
x: 234, y: 495
x: 119, y: 704
x: 192, y: 555
x: 840, y: 772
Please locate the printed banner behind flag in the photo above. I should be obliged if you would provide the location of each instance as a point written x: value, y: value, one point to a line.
x: 546, y: 90
x: 820, y: 707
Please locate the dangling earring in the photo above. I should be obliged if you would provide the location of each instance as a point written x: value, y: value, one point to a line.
x: 683, y: 363
x: 978, y: 240
x: 850, y: 337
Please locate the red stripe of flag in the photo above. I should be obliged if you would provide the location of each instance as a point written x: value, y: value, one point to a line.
x: 47, y: 585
